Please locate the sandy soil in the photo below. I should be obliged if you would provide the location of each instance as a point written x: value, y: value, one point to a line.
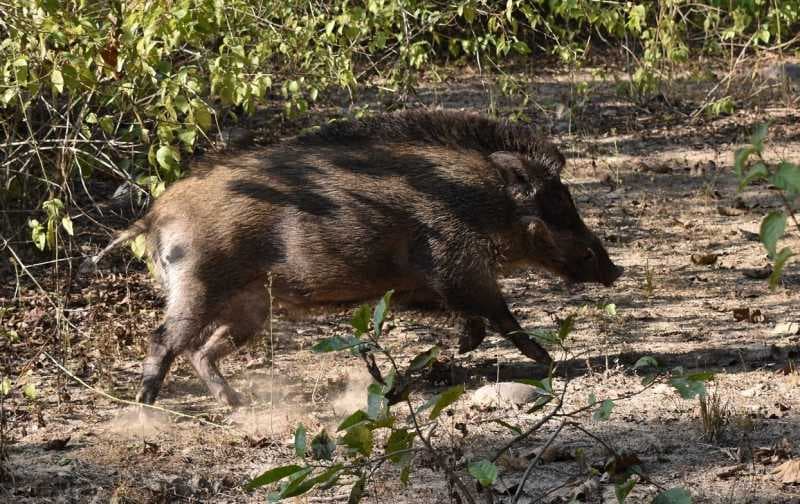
x: 657, y: 186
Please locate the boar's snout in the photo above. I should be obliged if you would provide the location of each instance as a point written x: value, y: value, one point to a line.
x: 616, y: 272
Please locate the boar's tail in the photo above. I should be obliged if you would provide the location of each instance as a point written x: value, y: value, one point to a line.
x: 90, y: 264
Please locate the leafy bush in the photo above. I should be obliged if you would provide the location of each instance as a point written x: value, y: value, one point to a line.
x: 130, y: 88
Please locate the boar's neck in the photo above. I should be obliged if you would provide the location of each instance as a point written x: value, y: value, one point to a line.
x: 511, y: 250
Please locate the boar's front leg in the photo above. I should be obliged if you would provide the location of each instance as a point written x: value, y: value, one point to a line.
x: 472, y: 332
x: 467, y: 283
x: 487, y: 301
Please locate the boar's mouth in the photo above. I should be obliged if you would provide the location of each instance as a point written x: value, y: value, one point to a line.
x: 616, y: 272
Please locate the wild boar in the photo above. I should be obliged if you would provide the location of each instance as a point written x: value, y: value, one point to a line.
x: 434, y: 205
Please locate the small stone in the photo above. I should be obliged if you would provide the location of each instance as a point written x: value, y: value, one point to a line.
x: 504, y: 394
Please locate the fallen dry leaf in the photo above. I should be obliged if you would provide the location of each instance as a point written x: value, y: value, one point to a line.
x: 746, y: 314
x: 704, y: 259
x: 788, y: 472
x: 758, y: 273
x: 728, y: 211
x: 512, y: 463
x: 730, y: 471
x: 57, y: 443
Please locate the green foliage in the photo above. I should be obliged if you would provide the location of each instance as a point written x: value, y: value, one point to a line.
x: 675, y: 495
x: 751, y: 167
x: 131, y: 88
x: 484, y: 472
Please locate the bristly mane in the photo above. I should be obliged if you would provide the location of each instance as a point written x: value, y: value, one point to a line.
x: 444, y: 127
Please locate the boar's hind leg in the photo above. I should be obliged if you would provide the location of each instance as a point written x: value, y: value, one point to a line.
x: 204, y: 361
x: 237, y: 321
x: 159, y: 359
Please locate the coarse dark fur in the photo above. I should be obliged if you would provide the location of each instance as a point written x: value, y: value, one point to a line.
x: 434, y: 205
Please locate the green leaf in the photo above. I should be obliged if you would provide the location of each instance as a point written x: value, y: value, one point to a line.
x: 405, y: 473
x: 445, y: 399
x: 168, y: 158
x: 483, y: 471
x: 139, y: 246
x: 740, y: 159
x: 688, y: 389
x: 702, y: 376
x: 787, y: 177
x: 300, y: 442
x: 273, y: 475
x: 66, y: 223
x: 675, y: 495
x: 38, y: 234
x: 357, y: 492
x: 610, y: 309
x: 57, y: 80
x: 354, y: 419
x: 30, y: 391
x: 757, y: 140
x: 295, y: 482
x: 544, y: 336
x: 772, y: 228
x: 359, y: 438
x: 360, y: 320
x: 424, y: 359
x: 5, y: 386
x: 399, y: 440
x: 623, y: 489
x: 322, y: 446
x: 521, y: 47
x: 646, y: 361
x: 544, y: 386
x: 188, y: 138
x: 299, y: 487
x: 758, y: 171
x: 336, y: 343
x: 777, y: 267
x: 376, y: 401
x: 381, y: 310
x: 603, y: 413
x: 107, y: 124
x: 202, y: 115
x: 565, y: 328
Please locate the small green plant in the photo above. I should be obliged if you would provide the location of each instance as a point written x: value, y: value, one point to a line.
x: 353, y: 453
x: 45, y: 235
x: 752, y: 168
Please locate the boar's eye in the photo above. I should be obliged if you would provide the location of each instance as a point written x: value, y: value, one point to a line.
x: 588, y: 255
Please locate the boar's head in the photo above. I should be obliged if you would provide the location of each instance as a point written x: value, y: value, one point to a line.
x: 556, y: 237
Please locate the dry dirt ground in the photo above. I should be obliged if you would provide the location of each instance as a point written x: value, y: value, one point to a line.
x: 654, y: 182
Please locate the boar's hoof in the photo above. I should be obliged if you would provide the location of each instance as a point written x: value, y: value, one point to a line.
x: 473, y: 332
x: 233, y: 399
x: 530, y: 348
x: 146, y: 395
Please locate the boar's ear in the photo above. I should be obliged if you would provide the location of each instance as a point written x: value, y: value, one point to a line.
x: 516, y: 178
x: 511, y: 168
